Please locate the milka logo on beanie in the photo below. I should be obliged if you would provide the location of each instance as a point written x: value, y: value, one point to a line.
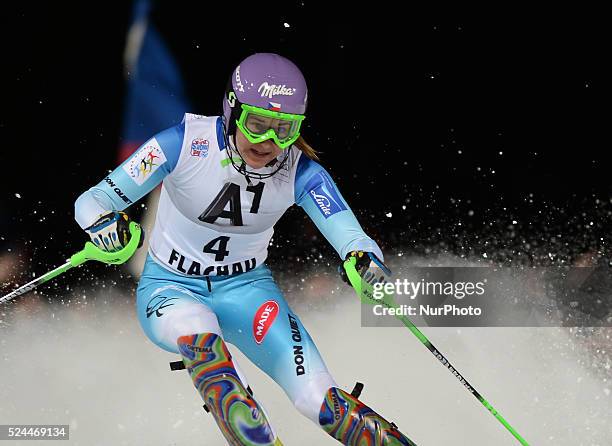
x: 267, y: 90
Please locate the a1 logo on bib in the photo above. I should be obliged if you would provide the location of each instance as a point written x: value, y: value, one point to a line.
x: 263, y: 320
x: 199, y: 148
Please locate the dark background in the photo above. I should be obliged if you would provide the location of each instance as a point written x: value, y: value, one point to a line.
x: 488, y: 125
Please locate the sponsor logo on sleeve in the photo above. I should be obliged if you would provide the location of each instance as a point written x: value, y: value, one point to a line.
x: 117, y: 190
x: 263, y: 320
x: 145, y: 162
x: 199, y: 148
x: 324, y: 194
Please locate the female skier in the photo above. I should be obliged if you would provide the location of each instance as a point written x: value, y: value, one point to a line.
x: 226, y: 182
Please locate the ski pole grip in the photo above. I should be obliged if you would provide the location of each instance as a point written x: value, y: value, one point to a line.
x: 91, y: 252
x: 352, y: 274
x: 364, y: 290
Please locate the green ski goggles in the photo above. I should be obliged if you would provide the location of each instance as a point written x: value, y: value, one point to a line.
x: 258, y: 125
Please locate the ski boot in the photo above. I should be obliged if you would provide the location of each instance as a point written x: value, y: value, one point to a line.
x: 353, y: 423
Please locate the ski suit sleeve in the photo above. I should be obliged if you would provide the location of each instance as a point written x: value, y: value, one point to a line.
x: 133, y: 179
x: 319, y: 196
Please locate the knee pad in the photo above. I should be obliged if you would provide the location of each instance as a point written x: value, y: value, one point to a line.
x: 311, y: 395
x: 240, y: 418
x: 353, y: 423
x: 190, y: 318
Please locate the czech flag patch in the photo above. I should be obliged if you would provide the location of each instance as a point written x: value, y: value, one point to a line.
x: 274, y: 106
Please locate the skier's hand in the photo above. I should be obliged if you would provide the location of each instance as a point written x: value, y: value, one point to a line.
x: 369, y: 267
x: 112, y: 231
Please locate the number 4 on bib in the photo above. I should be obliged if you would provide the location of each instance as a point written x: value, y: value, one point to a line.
x: 221, y: 252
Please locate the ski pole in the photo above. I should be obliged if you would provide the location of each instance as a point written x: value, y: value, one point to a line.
x: 365, y: 292
x: 89, y: 252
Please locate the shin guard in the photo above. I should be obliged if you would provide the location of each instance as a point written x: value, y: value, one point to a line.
x: 353, y: 423
x: 241, y: 420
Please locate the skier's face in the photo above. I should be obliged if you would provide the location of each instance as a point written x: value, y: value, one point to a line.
x: 256, y: 155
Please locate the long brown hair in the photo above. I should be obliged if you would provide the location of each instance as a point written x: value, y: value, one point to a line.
x: 306, y: 148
